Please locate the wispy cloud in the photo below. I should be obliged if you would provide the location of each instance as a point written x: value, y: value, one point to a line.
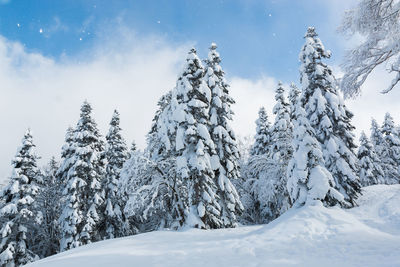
x: 45, y: 95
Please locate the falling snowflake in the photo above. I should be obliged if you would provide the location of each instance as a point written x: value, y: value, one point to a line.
x: 80, y: 39
x: 41, y: 30
x: 18, y: 25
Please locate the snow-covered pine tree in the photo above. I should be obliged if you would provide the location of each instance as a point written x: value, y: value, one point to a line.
x: 82, y: 215
x: 133, y: 147
x: 116, y: 154
x: 194, y: 146
x: 148, y: 193
x: 266, y: 196
x: 18, y: 212
x: 377, y: 138
x: 148, y: 179
x: 329, y: 117
x: 162, y: 131
x: 262, y: 139
x: 49, y: 204
x: 281, y: 133
x: 67, y: 155
x: 381, y: 150
x: 308, y: 179
x: 225, y: 161
x: 371, y: 172
x: 294, y: 94
x: 391, y: 150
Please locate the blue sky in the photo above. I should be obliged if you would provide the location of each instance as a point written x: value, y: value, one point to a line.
x: 254, y: 36
x: 54, y: 54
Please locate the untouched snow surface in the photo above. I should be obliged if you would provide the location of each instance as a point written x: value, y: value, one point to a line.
x: 368, y: 235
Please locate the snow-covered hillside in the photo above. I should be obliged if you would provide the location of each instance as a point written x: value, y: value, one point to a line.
x: 368, y: 235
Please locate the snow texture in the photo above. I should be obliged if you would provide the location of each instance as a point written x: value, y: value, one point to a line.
x: 368, y: 235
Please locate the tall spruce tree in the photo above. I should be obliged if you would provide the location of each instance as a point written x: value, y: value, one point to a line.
x: 371, y: 172
x: 262, y: 142
x: 329, y: 116
x: 116, y: 154
x: 391, y: 150
x: 156, y: 196
x: 308, y: 179
x: 49, y: 204
x: 194, y: 146
x: 377, y: 137
x: 282, y: 129
x: 82, y: 215
x: 382, y: 152
x: 18, y: 212
x: 265, y: 173
x: 294, y: 96
x: 225, y: 161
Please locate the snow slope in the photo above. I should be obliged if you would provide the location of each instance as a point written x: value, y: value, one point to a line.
x: 368, y: 235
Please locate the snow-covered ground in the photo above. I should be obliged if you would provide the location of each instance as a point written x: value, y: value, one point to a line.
x: 368, y: 235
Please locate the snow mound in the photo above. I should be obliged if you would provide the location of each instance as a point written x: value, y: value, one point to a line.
x: 368, y: 235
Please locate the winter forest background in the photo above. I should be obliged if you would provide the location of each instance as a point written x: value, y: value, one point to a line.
x: 194, y: 171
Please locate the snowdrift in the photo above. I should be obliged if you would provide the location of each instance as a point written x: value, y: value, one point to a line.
x: 368, y: 235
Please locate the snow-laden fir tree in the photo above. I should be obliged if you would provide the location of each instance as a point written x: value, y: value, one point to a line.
x: 116, y: 154
x: 281, y: 133
x: 308, y: 179
x: 18, y: 213
x: 82, y: 215
x: 194, y: 147
x: 382, y: 151
x: 162, y: 131
x: 265, y: 173
x: 133, y: 148
x: 49, y: 204
x: 391, y: 150
x: 377, y: 138
x: 67, y: 155
x: 225, y: 161
x: 293, y: 97
x: 264, y: 192
x: 262, y: 139
x: 148, y: 193
x: 371, y: 172
x: 329, y: 117
x: 148, y: 180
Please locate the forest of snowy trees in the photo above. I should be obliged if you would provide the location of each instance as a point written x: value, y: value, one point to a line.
x: 194, y: 173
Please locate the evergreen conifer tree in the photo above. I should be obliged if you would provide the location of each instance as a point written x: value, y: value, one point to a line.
x: 116, y: 154
x: 265, y: 174
x: 391, y: 150
x: 294, y: 95
x: 282, y: 129
x: 194, y: 146
x: 82, y: 215
x: 371, y: 172
x: 329, y: 117
x: 308, y: 179
x: 225, y: 161
x: 49, y: 204
x: 18, y: 212
x: 262, y: 142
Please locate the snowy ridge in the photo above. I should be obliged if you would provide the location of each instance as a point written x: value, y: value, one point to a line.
x: 368, y: 235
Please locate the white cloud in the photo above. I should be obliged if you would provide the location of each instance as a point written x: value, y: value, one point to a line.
x: 45, y: 95
x: 250, y: 96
